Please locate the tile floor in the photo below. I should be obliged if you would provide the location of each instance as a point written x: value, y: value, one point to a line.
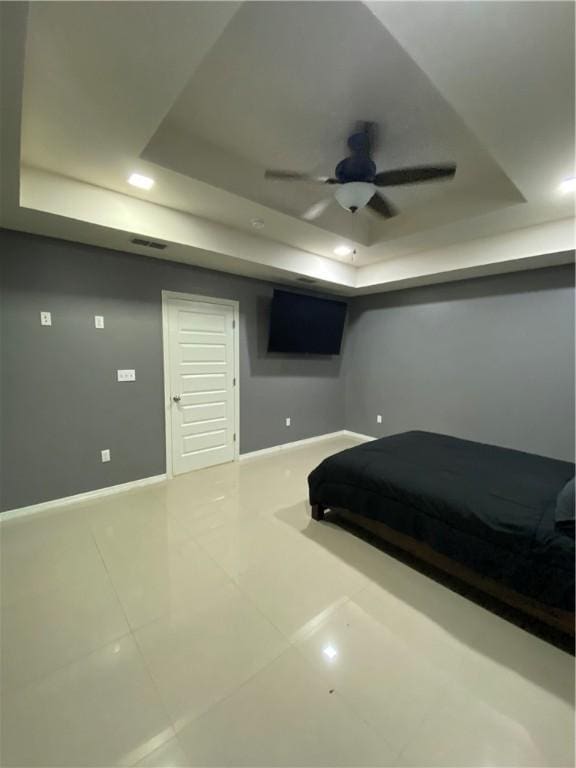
x: 210, y: 622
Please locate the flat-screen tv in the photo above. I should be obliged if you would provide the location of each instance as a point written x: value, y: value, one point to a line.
x: 305, y: 324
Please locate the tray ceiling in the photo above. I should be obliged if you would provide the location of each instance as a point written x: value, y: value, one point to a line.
x: 204, y: 96
x: 284, y: 85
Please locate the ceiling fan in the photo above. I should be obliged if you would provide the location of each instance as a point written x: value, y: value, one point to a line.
x: 358, y: 180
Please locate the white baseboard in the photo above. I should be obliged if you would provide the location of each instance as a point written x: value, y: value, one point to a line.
x: 80, y: 498
x: 357, y: 436
x: 301, y: 443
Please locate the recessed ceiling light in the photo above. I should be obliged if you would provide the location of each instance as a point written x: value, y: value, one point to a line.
x: 330, y: 652
x: 257, y: 223
x: 343, y: 250
x: 568, y: 185
x: 143, y: 182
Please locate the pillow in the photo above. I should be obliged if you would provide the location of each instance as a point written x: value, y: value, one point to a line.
x: 565, y: 504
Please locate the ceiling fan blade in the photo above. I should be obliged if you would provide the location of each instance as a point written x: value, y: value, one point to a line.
x: 316, y: 210
x: 296, y: 176
x: 415, y: 175
x: 381, y: 206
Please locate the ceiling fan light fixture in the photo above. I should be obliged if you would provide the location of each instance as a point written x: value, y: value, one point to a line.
x: 354, y: 195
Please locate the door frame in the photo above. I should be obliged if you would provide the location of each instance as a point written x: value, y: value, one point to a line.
x: 167, y: 296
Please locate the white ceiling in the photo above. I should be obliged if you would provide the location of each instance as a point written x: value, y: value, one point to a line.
x: 204, y: 96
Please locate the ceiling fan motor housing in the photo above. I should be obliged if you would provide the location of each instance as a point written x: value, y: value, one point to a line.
x: 355, y: 168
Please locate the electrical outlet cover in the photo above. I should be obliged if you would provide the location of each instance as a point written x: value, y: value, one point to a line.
x: 45, y: 318
x: 105, y: 455
x: 98, y: 321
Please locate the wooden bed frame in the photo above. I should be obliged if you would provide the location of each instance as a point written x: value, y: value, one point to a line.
x: 564, y: 621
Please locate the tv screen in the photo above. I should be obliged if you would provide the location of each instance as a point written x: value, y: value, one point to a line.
x: 306, y: 324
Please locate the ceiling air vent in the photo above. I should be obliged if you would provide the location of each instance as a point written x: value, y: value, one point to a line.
x: 148, y: 243
x: 309, y: 280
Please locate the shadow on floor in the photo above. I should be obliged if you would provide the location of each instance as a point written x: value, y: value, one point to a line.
x: 334, y: 535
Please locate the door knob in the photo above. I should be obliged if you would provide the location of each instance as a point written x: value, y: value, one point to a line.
x: 177, y: 398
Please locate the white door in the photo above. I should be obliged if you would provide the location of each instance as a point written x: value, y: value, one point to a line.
x: 202, y: 369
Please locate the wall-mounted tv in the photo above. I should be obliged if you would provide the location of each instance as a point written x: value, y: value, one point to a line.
x: 305, y: 324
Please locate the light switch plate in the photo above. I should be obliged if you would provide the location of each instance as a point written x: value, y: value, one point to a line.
x: 126, y: 374
x: 288, y: 421
x: 98, y: 321
x: 105, y: 455
x: 45, y: 318
x: 379, y: 418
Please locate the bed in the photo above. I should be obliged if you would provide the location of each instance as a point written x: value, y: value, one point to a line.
x: 484, y: 514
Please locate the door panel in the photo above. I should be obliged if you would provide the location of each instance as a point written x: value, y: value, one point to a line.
x: 203, y: 353
x: 202, y: 372
x: 201, y: 320
x: 191, y: 383
x: 194, y: 443
x: 203, y: 412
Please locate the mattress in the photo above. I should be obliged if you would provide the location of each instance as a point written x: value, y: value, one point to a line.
x: 488, y: 508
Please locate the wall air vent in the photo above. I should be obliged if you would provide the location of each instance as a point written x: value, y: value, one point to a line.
x: 148, y: 243
x: 309, y: 280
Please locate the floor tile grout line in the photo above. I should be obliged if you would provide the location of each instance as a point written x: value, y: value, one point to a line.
x: 158, y: 748
x: 424, y: 718
x: 448, y: 685
x: 365, y: 583
x: 134, y: 632
x: 37, y: 680
x: 15, y: 690
x: 187, y: 539
x: 110, y: 579
x: 69, y: 548
x: 308, y: 628
x: 290, y: 640
x: 244, y: 594
x: 229, y: 582
x: 151, y: 751
x: 251, y: 600
x: 297, y: 637
x: 350, y: 706
x: 243, y: 684
x: 248, y: 680
x: 321, y: 680
x: 141, y: 656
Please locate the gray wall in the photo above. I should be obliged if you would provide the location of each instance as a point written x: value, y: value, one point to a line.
x: 490, y: 359
x: 60, y: 401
